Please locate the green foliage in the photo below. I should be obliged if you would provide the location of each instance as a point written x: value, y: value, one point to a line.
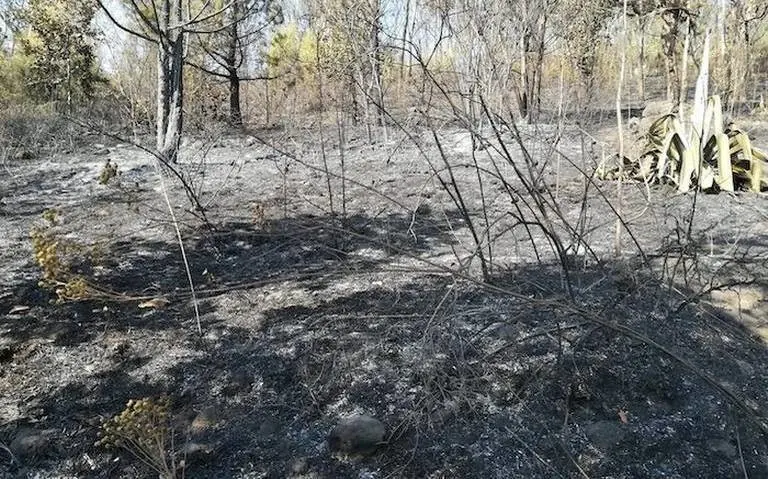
x: 13, y: 69
x: 58, y: 41
x: 108, y: 172
x: 292, y: 54
x: 144, y: 430
x: 56, y: 255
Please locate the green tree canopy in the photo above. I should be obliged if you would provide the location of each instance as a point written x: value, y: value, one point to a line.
x: 58, y: 38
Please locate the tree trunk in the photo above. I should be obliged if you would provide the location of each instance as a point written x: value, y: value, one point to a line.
x: 377, y: 93
x: 170, y: 82
x: 673, y: 19
x: 522, y: 94
x: 163, y: 78
x: 233, y: 43
x: 235, y: 115
x: 405, y: 39
x: 641, y: 80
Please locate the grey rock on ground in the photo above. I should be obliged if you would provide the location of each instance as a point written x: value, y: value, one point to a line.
x: 605, y: 434
x: 359, y: 434
x: 30, y: 442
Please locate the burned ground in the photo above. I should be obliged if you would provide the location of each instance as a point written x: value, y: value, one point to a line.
x: 309, y: 315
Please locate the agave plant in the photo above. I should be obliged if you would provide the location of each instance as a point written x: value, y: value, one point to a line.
x: 698, y: 148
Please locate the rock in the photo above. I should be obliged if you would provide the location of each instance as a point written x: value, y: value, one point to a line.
x: 359, y: 434
x: 196, y: 449
x: 724, y: 447
x: 605, y: 434
x: 298, y: 466
x: 6, y: 354
x: 30, y: 442
x: 205, y: 420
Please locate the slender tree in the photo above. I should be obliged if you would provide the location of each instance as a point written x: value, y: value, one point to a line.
x: 168, y: 24
x: 226, y: 51
x: 57, y: 38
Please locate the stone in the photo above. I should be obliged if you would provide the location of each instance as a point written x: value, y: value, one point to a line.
x: 605, y: 434
x: 195, y: 449
x: 29, y: 442
x: 6, y: 354
x: 239, y: 381
x: 359, y: 434
x: 298, y: 466
x: 205, y: 420
x: 723, y: 447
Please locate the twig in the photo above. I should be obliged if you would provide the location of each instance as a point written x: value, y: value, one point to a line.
x: 164, y: 189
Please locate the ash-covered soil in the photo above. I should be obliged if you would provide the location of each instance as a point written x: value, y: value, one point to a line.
x: 315, y: 306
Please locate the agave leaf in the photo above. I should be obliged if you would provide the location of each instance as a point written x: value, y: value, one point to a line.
x: 668, y: 156
x: 725, y: 172
x: 755, y: 174
x: 717, y: 121
x: 759, y: 154
x: 659, y: 129
x: 701, y: 94
x: 688, y: 167
x: 646, y: 168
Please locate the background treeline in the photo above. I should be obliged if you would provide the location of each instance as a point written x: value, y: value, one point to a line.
x: 263, y: 62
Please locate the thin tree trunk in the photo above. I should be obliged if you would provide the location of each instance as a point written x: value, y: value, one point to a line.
x: 175, y: 121
x: 376, y: 60
x: 539, y: 66
x: 267, y: 106
x: 170, y: 86
x: 641, y: 80
x: 235, y: 113
x: 163, y: 78
x: 405, y: 41
x: 522, y: 95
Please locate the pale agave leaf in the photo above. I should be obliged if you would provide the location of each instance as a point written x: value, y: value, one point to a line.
x: 700, y: 97
x: 759, y: 154
x: 757, y: 175
x: 709, y: 152
x: 659, y: 128
x: 688, y: 167
x: 724, y: 170
x: 755, y: 166
x: 717, y: 122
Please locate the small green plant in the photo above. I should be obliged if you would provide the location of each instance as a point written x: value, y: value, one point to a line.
x: 144, y: 429
x: 53, y: 253
x: 46, y: 247
x: 108, y: 172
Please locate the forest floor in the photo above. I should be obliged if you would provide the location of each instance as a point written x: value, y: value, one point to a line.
x: 316, y: 306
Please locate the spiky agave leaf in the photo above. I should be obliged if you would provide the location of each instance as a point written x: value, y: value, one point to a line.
x: 747, y: 165
x: 724, y: 171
